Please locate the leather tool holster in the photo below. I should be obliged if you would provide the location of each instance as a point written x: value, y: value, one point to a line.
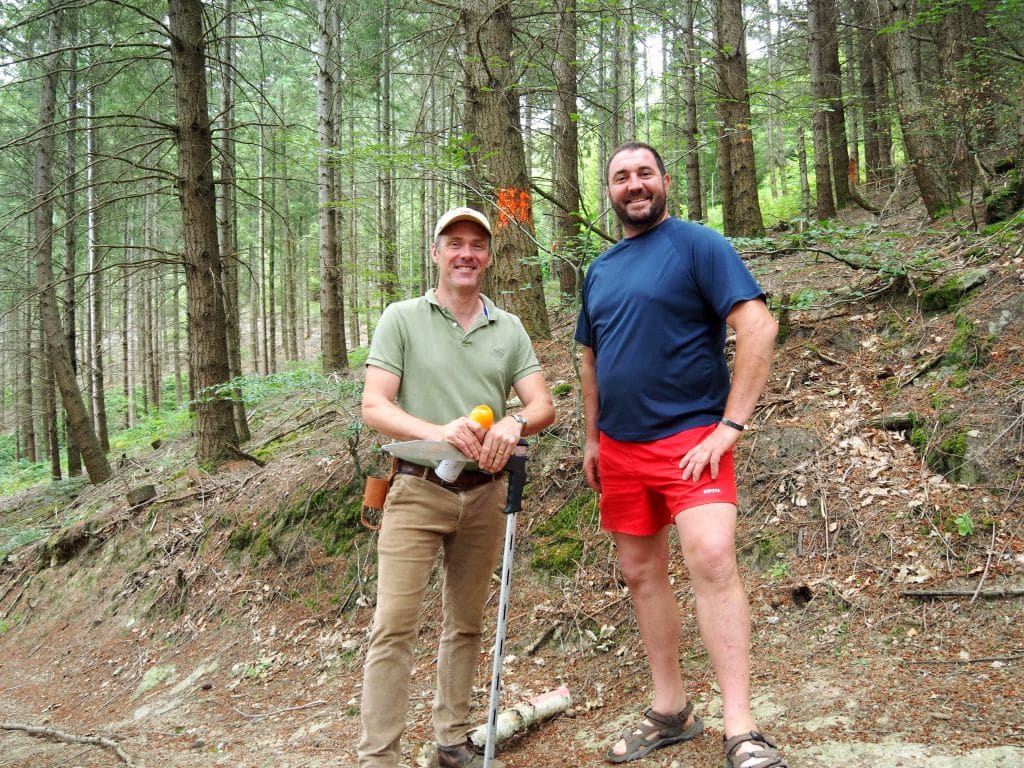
x: 375, y: 493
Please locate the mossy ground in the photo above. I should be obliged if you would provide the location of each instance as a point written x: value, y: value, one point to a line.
x: 559, y: 543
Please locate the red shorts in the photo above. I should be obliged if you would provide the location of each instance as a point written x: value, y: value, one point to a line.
x: 642, y: 486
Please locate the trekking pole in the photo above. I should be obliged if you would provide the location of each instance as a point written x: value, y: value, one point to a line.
x: 516, y: 468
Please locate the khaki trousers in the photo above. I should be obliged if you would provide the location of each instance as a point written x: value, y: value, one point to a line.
x: 420, y: 519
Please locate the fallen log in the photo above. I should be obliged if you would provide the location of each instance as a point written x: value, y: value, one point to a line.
x: 524, y: 715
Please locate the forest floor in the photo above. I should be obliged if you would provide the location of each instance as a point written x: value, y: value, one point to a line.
x: 168, y: 632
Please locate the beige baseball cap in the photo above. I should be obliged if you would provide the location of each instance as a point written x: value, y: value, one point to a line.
x: 461, y: 214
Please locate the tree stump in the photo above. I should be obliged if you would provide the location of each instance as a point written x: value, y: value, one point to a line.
x: 140, y: 495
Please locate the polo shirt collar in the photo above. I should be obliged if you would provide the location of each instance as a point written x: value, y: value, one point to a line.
x: 489, y: 314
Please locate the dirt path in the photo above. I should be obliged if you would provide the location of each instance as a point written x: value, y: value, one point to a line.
x: 929, y: 690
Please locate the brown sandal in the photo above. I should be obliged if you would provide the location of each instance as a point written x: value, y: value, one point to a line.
x: 656, y: 731
x: 768, y: 756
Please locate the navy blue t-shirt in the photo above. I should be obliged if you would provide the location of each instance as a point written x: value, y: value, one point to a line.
x: 654, y: 309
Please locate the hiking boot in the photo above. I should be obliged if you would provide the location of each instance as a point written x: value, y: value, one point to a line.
x: 465, y: 755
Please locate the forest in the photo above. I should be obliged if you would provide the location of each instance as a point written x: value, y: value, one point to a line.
x: 198, y: 192
x: 206, y: 206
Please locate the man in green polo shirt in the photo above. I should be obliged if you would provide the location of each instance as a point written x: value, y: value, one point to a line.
x: 432, y: 360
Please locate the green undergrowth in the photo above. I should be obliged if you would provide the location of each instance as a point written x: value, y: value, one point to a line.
x: 161, y: 425
x: 17, y: 475
x: 14, y: 537
x: 330, y: 517
x: 1009, y: 225
x: 301, y: 383
x: 298, y: 385
x: 559, y: 545
x: 44, y: 502
x: 968, y: 349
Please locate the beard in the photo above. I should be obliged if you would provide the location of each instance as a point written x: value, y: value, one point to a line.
x: 654, y: 212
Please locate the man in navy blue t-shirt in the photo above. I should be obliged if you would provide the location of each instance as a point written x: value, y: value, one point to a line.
x: 662, y: 418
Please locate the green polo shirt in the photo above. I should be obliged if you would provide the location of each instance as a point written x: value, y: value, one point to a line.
x: 445, y: 371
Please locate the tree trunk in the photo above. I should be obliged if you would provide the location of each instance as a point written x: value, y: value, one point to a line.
x: 818, y: 29
x: 968, y: 102
x: 627, y: 58
x: 866, y: 22
x: 389, y: 282
x: 883, y: 100
x: 607, y: 130
x: 805, y: 186
x: 99, y: 396
x: 770, y: 119
x: 258, y: 307
x: 229, y: 219
x: 672, y: 107
x: 289, y: 281
x: 734, y: 115
x: 78, y: 418
x: 694, y: 189
x: 74, y: 457
x: 919, y: 135
x: 27, y: 386
x: 203, y: 273
x: 176, y: 341
x: 619, y: 90
x: 289, y: 318
x: 99, y: 400
x: 498, y: 163
x: 271, y: 266
x: 145, y: 342
x: 836, y: 112
x: 50, y: 414
x: 252, y: 287
x: 127, y: 309
x: 156, y: 328
x: 347, y: 259
x: 850, y: 85
x: 353, y: 272
x: 332, y: 313
x: 723, y: 164
x: 566, y: 141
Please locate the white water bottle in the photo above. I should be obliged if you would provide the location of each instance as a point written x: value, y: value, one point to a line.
x: 449, y: 469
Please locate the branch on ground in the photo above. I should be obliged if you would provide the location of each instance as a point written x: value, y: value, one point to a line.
x: 54, y: 734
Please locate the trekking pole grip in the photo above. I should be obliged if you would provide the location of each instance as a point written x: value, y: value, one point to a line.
x: 516, y: 468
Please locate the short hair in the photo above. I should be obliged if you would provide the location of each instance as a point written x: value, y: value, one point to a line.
x: 629, y: 146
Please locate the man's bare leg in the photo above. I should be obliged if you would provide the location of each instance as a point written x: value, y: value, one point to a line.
x: 644, y: 564
x: 707, y: 535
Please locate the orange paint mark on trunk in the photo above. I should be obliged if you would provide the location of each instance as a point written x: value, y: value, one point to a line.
x: 514, y: 204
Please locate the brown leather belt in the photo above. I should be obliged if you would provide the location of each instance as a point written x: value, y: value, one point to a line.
x: 469, y: 478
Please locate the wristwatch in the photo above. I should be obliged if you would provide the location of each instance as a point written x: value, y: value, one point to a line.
x: 520, y: 418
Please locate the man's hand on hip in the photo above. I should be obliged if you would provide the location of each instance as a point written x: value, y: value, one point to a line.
x: 708, y: 453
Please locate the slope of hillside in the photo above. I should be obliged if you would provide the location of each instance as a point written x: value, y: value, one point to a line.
x: 224, y: 623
